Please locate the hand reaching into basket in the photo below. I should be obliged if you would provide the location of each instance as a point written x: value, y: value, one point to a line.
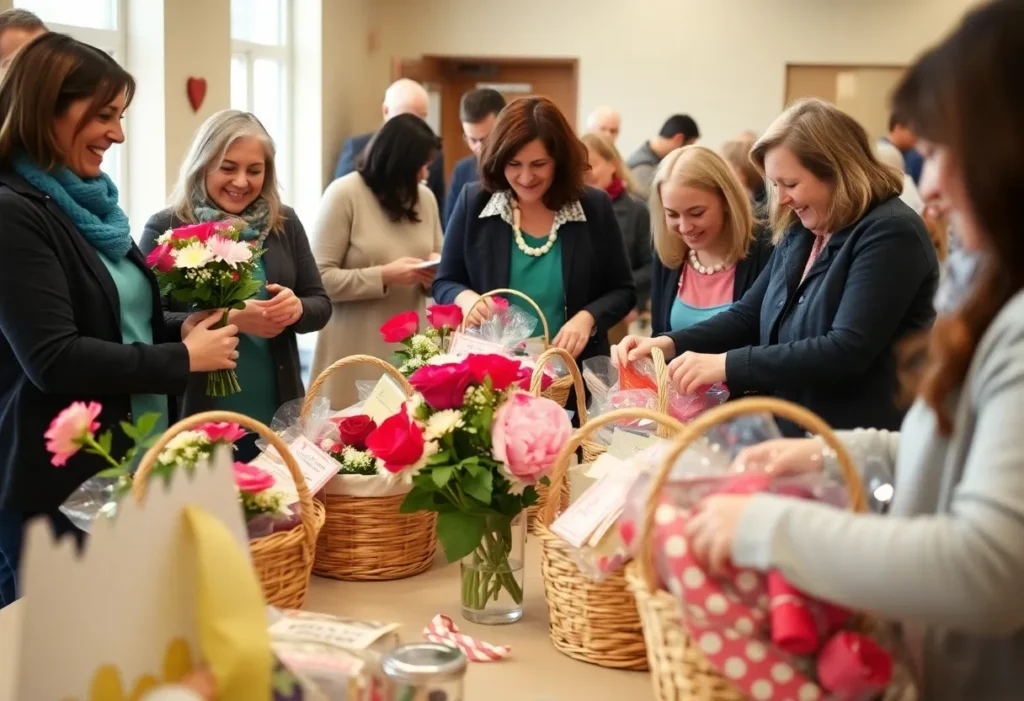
x: 783, y: 456
x: 712, y: 528
x: 633, y: 348
x: 474, y: 313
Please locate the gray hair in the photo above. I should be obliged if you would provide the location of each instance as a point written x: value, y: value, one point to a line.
x: 20, y: 19
x: 209, y: 146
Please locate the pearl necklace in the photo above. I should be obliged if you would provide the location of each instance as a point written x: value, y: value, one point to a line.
x: 703, y: 269
x: 521, y: 242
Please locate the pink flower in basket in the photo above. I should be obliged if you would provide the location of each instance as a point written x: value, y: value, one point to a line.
x: 443, y: 386
x: 200, y: 231
x: 69, y: 430
x: 527, y: 434
x: 223, y: 431
x: 441, y: 315
x: 400, y: 327
x: 252, y: 479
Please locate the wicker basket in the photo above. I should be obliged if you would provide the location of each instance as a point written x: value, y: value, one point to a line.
x: 679, y: 670
x: 366, y: 538
x: 282, y: 560
x: 595, y: 622
x: 536, y: 382
x: 558, y: 390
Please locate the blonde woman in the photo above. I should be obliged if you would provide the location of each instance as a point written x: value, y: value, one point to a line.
x: 737, y: 155
x: 709, y: 249
x: 853, y: 273
x: 608, y: 172
x: 229, y: 173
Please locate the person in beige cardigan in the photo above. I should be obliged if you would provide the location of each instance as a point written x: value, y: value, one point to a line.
x: 375, y: 226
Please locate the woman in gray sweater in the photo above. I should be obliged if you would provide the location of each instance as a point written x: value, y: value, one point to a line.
x: 947, y: 562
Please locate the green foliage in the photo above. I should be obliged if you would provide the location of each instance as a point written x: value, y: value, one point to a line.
x: 459, y: 533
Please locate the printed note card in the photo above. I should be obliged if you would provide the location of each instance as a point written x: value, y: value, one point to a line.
x: 385, y: 401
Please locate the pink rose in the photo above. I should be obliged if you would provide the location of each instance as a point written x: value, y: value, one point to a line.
x: 160, y: 258
x: 398, y: 442
x: 223, y: 431
x: 70, y: 429
x: 400, y: 327
x: 252, y: 479
x: 527, y: 434
x: 502, y: 371
x: 441, y: 315
x: 200, y: 231
x: 443, y: 386
x: 500, y: 303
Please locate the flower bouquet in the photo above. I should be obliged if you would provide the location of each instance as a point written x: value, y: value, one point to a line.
x: 418, y: 348
x: 207, y: 267
x: 474, y: 447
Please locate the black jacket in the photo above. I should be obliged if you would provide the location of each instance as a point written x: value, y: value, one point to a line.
x: 289, y: 262
x: 61, y: 342
x: 466, y: 172
x: 355, y: 145
x: 665, y: 285
x: 828, y: 343
x: 595, y: 268
x: 635, y: 225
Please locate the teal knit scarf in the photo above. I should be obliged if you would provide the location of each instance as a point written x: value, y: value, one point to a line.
x: 91, y: 205
x: 256, y: 216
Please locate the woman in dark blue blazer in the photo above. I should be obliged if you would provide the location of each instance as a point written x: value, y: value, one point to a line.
x: 853, y: 273
x: 531, y: 225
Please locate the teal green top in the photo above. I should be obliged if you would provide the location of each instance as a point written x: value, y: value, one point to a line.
x: 257, y: 373
x: 540, y: 279
x: 683, y: 315
x: 136, y: 297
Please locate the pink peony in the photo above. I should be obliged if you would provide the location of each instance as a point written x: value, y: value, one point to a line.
x: 161, y: 258
x: 223, y: 431
x: 70, y: 429
x: 443, y: 386
x: 229, y: 251
x: 441, y: 315
x: 527, y: 434
x: 400, y: 327
x: 252, y: 479
x: 199, y: 231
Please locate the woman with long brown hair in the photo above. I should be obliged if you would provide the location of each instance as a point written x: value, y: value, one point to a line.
x: 948, y: 560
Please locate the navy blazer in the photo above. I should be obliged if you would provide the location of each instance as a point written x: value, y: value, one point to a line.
x: 828, y: 342
x: 477, y: 256
x: 466, y: 172
x: 60, y: 342
x: 665, y: 284
x: 354, y: 147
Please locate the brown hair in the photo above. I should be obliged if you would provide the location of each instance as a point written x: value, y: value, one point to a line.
x: 603, y: 147
x: 834, y: 147
x: 737, y: 153
x: 965, y: 95
x: 45, y: 77
x: 521, y: 122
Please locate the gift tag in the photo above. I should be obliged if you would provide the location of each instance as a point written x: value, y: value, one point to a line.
x: 385, y: 401
x: 299, y: 626
x: 463, y: 345
x: 626, y: 444
x: 271, y: 462
x: 593, y: 508
x: 316, y: 466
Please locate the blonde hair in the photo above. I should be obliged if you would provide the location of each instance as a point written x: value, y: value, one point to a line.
x: 701, y: 168
x: 737, y: 154
x: 209, y: 146
x: 836, y: 149
x: 603, y: 147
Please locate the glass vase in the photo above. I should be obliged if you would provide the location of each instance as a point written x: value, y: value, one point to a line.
x: 492, y: 575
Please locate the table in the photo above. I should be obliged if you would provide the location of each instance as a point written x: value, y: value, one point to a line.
x: 535, y: 671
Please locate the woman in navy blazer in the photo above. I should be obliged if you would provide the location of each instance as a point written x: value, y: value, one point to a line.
x: 853, y: 274
x: 531, y: 225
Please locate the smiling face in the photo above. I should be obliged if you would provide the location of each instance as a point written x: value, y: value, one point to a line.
x: 237, y: 180
x: 84, y: 144
x: 531, y: 172
x: 798, y: 189
x: 696, y: 215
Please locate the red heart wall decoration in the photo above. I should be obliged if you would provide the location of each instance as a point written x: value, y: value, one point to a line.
x: 196, y: 92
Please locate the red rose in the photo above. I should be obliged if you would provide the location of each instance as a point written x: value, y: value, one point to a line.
x: 502, y: 371
x: 200, y: 231
x: 442, y: 386
x: 160, y: 258
x: 354, y: 429
x: 400, y: 327
x: 441, y: 315
x: 398, y: 442
x: 526, y: 378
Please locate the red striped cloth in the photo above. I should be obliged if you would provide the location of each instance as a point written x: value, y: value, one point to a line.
x: 443, y: 630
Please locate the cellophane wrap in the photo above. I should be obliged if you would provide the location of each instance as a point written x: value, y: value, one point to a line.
x: 97, y: 497
x: 514, y: 330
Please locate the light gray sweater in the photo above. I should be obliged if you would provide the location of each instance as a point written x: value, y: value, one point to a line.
x: 948, y: 561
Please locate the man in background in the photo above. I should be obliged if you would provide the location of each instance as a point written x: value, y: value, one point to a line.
x: 679, y: 130
x: 17, y: 28
x: 903, y: 137
x: 404, y: 96
x: 478, y: 112
x: 605, y: 120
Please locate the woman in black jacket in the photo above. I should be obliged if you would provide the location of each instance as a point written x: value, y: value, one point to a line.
x: 533, y: 226
x: 853, y: 273
x: 80, y: 315
x: 229, y: 173
x: 709, y: 248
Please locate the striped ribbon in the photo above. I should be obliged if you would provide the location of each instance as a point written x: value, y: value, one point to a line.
x: 444, y: 631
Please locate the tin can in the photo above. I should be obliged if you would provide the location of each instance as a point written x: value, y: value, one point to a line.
x: 425, y: 672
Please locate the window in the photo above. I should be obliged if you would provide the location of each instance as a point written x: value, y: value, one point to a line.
x: 261, y: 71
x: 100, y: 23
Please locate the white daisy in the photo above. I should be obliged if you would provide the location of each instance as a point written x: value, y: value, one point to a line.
x: 443, y: 423
x: 194, y: 255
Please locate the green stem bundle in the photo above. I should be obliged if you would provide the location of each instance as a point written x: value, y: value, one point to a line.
x: 490, y: 571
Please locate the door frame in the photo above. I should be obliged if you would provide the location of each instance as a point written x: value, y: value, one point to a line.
x: 836, y: 66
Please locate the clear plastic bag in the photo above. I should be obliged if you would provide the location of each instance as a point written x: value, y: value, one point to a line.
x: 514, y: 330
x: 98, y: 497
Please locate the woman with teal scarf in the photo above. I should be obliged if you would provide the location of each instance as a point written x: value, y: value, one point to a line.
x: 229, y: 173
x: 80, y: 315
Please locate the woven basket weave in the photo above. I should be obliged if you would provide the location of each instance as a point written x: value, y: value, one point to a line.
x: 282, y: 560
x: 595, y: 622
x: 679, y: 670
x: 367, y: 538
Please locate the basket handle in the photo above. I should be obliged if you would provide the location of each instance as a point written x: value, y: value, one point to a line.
x: 558, y: 475
x: 318, y: 383
x: 661, y: 378
x: 537, y: 379
x: 806, y: 419
x: 149, y: 460
x: 517, y: 293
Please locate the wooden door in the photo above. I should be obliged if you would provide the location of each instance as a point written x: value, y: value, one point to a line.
x: 863, y: 92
